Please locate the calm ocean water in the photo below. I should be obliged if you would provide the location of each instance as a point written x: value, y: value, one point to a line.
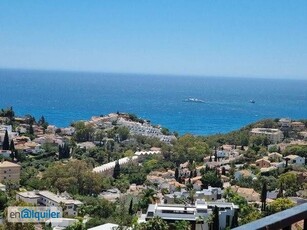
x: 64, y: 97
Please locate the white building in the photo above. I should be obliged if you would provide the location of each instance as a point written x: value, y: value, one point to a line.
x: 47, y: 198
x: 295, y: 160
x: 210, y: 194
x: 69, y: 131
x: 60, y: 223
x: 9, y: 129
x: 194, y: 214
x: 285, y: 122
x: 109, y: 226
x: 222, y: 154
x: 274, y: 135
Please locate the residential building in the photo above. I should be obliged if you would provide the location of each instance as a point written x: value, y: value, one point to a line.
x: 285, y: 123
x: 243, y: 173
x: 9, y: 171
x: 5, y: 153
x: 109, y: 226
x: 69, y: 131
x: 194, y: 214
x: 47, y: 198
x: 210, y: 194
x: 9, y: 129
x: 275, y: 156
x: 274, y: 135
x: 60, y: 223
x: 298, y: 126
x: 222, y: 154
x: 263, y: 163
x: 248, y: 193
x: 295, y: 160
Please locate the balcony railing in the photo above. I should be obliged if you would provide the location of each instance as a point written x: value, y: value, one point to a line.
x: 280, y: 220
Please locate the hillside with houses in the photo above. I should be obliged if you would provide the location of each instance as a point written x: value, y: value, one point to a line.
x: 119, y: 170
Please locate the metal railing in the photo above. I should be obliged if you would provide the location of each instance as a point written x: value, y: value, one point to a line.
x: 280, y: 220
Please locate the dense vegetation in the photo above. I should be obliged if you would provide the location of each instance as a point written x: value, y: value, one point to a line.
x: 69, y: 168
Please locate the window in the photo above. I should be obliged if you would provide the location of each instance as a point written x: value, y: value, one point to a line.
x: 294, y: 161
x: 4, y: 171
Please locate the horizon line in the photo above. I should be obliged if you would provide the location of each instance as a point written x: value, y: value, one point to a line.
x: 245, y: 76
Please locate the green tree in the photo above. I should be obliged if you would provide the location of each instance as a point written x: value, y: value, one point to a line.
x: 3, y: 200
x: 83, y: 132
x: 8, y: 112
x: 290, y: 183
x: 278, y: 205
x: 76, y: 226
x: 210, y: 178
x: 116, y: 171
x: 155, y: 223
x: 123, y: 133
x: 147, y: 197
x: 182, y: 225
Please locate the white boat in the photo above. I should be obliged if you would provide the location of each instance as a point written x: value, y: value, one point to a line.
x: 195, y: 100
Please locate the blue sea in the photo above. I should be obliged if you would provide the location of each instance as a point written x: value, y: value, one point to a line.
x: 64, y: 97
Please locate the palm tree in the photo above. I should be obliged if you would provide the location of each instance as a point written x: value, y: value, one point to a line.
x: 147, y: 197
x: 182, y: 225
x: 157, y: 223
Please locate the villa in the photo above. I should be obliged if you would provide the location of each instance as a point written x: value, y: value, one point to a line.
x: 46, y: 198
x: 194, y: 214
x: 274, y: 135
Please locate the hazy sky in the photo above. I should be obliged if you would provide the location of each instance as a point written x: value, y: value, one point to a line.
x: 238, y: 38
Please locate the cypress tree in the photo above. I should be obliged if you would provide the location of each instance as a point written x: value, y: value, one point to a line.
x: 263, y: 196
x: 195, y: 173
x: 66, y: 151
x: 176, y: 174
x: 6, y: 143
x: 131, y: 207
x: 116, y: 171
x: 216, y: 220
x: 60, y: 152
x: 31, y: 130
x: 12, y: 146
x: 215, y: 154
x: 223, y: 171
